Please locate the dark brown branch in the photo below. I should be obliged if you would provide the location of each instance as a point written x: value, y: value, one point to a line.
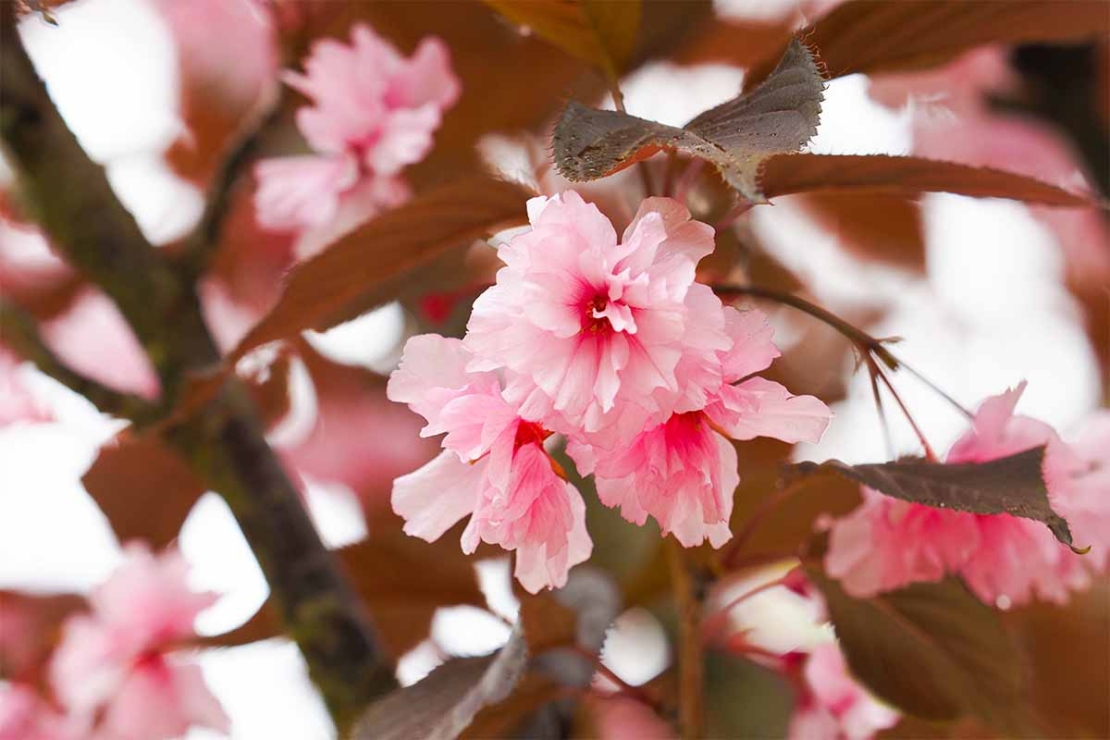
x: 70, y: 197
x: 75, y: 206
x: 316, y: 603
x: 18, y: 331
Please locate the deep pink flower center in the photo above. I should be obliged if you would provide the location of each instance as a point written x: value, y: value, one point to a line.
x: 593, y: 323
x: 529, y: 432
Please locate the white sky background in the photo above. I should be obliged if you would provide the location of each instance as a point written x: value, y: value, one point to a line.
x: 991, y: 311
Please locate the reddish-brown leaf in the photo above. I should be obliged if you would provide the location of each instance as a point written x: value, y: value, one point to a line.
x: 367, y: 268
x: 143, y: 487
x: 881, y: 36
x: 933, y: 650
x: 601, y: 32
x: 906, y: 176
x: 402, y: 580
x: 30, y: 625
x: 887, y: 228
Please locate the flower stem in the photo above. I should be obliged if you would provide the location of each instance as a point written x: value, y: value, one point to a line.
x: 691, y: 684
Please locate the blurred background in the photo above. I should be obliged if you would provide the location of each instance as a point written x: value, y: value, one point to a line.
x: 983, y: 294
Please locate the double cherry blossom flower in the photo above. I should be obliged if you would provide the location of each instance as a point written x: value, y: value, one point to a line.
x: 374, y: 112
x: 887, y: 543
x: 117, y: 672
x: 615, y: 346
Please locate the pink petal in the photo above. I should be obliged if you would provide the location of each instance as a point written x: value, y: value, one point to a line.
x: 762, y: 408
x: 434, y: 498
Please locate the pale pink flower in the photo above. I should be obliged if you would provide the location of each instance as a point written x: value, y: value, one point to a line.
x: 17, y: 402
x: 618, y: 718
x: 374, y: 112
x: 683, y: 472
x: 298, y: 191
x: 833, y: 706
x: 494, y: 467
x: 887, y: 543
x: 593, y: 330
x: 114, y: 661
x: 24, y: 715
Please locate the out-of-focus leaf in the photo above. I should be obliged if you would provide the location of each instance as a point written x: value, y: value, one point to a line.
x: 873, y: 226
x: 1009, y: 485
x: 1068, y: 687
x: 880, y: 36
x: 740, y: 43
x: 30, y: 625
x: 559, y: 625
x: 780, y: 116
x: 444, y: 703
x: 402, y: 580
x: 907, y: 176
x: 364, y: 269
x: 933, y: 650
x: 143, y: 487
x: 601, y: 32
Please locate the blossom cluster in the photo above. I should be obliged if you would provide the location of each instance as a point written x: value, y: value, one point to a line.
x: 782, y: 622
x: 374, y: 112
x: 117, y: 673
x: 614, y: 345
x: 887, y: 543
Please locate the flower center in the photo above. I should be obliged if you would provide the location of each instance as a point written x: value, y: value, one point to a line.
x: 529, y: 432
x: 595, y: 321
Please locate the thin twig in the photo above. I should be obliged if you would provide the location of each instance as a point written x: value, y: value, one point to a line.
x: 18, y: 331
x: 888, y: 439
x: 929, y: 454
x: 719, y: 619
x: 691, y: 683
x: 861, y: 340
x: 206, y: 236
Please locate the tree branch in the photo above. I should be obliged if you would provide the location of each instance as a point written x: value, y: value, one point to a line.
x: 76, y: 207
x: 90, y: 227
x: 203, y: 242
x: 18, y: 331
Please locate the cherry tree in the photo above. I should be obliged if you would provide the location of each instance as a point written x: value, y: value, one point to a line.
x: 611, y: 390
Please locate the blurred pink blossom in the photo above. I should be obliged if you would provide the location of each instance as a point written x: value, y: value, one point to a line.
x: 93, y: 338
x: 114, y: 667
x: 887, y: 543
x: 24, y: 715
x: 833, y: 705
x: 17, y: 402
x: 494, y: 467
x: 373, y: 113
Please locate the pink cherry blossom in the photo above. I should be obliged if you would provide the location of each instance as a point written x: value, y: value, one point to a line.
x: 886, y: 543
x: 593, y: 330
x: 683, y: 472
x: 24, y: 715
x: 113, y: 665
x: 373, y: 113
x: 17, y: 402
x: 833, y: 705
x: 494, y: 467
